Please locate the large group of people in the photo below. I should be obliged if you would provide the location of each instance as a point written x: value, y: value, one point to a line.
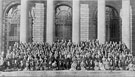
x: 66, y: 55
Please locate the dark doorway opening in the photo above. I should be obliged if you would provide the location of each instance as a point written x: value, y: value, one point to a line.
x: 63, y: 22
x: 112, y: 24
x: 12, y: 31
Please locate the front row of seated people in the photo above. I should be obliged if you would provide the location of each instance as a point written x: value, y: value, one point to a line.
x: 63, y: 55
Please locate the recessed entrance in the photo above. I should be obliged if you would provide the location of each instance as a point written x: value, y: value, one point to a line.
x: 112, y: 24
x: 63, y: 22
x: 12, y: 25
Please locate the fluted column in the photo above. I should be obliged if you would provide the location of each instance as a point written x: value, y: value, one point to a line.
x: 1, y: 19
x: 75, y: 22
x: 50, y: 21
x: 101, y: 21
x: 24, y: 21
x: 126, y: 35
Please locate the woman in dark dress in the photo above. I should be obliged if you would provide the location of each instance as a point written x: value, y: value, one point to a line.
x: 21, y: 65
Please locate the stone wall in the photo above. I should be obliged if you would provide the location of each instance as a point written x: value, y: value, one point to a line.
x: 92, y: 25
x: 92, y: 14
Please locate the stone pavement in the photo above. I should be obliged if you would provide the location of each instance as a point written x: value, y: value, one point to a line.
x: 69, y: 74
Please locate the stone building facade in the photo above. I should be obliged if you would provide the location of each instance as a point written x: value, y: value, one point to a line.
x: 76, y: 20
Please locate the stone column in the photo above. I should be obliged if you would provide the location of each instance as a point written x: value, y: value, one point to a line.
x: 101, y: 21
x: 1, y: 23
x: 24, y: 21
x: 50, y: 21
x: 131, y: 44
x: 126, y: 35
x: 75, y: 22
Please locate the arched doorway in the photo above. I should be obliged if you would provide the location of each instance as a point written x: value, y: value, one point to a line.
x: 63, y: 22
x: 12, y: 25
x: 112, y: 24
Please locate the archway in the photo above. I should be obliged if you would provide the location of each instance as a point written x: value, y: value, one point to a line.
x: 112, y: 24
x: 63, y: 22
x: 113, y: 29
x: 12, y: 25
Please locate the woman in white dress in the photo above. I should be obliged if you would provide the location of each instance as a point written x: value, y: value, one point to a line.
x: 101, y: 65
x: 96, y: 65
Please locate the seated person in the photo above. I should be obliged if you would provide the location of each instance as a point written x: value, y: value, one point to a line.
x: 1, y: 64
x: 101, y: 65
x: 130, y: 67
x: 78, y: 65
x: 96, y: 65
x: 8, y: 66
x: 1, y: 61
x: 21, y: 66
x: 68, y: 61
x: 116, y: 64
x: 120, y: 65
x: 54, y: 65
x: 15, y: 65
x: 32, y: 66
x: 73, y: 65
x: 60, y: 65
x: 82, y: 65
x: 107, y: 65
x: 91, y: 65
x: 44, y: 65
x: 111, y: 64
x: 27, y: 67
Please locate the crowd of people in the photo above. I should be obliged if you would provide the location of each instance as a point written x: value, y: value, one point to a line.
x: 66, y: 55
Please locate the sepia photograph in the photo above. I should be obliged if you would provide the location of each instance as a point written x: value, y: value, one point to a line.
x: 67, y: 38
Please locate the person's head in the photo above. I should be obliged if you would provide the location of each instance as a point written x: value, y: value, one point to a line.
x: 8, y: 63
x: 15, y: 61
x: 77, y: 55
x: 82, y: 64
x: 27, y: 63
x: 91, y: 60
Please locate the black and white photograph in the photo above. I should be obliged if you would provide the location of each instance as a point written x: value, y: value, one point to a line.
x: 67, y: 38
